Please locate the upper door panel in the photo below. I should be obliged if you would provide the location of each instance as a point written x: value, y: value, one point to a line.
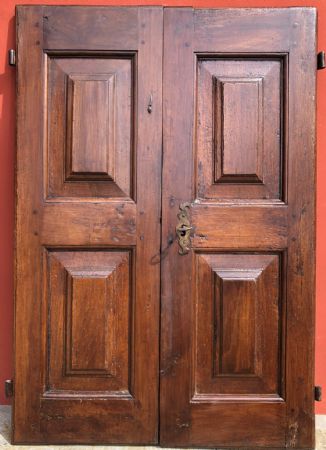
x: 239, y: 121
x: 91, y: 126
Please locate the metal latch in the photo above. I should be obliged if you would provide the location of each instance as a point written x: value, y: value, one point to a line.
x: 321, y: 61
x: 12, y: 57
x: 9, y: 388
x: 318, y: 393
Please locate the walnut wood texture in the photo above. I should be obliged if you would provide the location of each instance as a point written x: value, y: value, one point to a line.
x: 237, y: 325
x: 237, y: 312
x: 87, y: 224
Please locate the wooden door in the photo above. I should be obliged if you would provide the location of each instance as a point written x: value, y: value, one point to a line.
x: 237, y: 294
x: 88, y: 224
x: 237, y: 331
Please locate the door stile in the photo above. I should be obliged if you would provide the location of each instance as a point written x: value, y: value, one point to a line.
x: 177, y: 187
x: 301, y: 201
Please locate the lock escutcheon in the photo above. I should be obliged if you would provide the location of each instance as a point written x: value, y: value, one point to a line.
x: 183, y: 229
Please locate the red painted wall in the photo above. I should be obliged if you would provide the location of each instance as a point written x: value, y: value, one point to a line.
x: 7, y: 150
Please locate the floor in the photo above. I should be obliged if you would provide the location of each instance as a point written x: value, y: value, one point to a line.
x: 5, y: 437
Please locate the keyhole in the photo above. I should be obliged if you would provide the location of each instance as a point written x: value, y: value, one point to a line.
x: 183, y: 230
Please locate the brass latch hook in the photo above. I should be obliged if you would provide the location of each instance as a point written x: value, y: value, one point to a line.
x: 183, y: 229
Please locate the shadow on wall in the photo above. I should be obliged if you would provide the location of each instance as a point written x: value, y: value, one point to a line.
x: 7, y: 156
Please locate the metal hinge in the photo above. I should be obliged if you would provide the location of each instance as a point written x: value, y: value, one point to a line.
x: 318, y: 393
x: 9, y: 388
x: 12, y: 57
x: 321, y: 61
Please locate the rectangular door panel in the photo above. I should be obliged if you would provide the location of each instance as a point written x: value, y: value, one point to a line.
x: 91, y: 123
x: 89, y: 302
x: 87, y: 226
x: 238, y: 327
x: 237, y: 331
x: 238, y: 127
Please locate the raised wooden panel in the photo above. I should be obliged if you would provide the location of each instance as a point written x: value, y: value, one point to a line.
x: 235, y: 328
x: 87, y: 326
x: 238, y: 100
x: 239, y: 128
x: 90, y: 123
x: 239, y: 311
x: 89, y: 301
x: 90, y: 127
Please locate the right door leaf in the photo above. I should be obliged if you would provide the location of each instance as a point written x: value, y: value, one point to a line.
x: 238, y: 310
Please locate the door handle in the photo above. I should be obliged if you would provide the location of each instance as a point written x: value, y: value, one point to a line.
x: 183, y: 229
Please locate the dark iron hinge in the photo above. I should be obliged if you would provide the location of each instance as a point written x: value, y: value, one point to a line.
x: 9, y: 388
x: 318, y: 393
x: 12, y: 57
x: 321, y: 61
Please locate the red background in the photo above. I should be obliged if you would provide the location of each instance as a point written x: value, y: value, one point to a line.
x: 7, y: 150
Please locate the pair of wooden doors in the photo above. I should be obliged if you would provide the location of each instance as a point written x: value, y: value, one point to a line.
x: 128, y: 330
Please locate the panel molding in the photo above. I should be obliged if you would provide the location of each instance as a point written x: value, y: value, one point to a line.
x: 240, y: 398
